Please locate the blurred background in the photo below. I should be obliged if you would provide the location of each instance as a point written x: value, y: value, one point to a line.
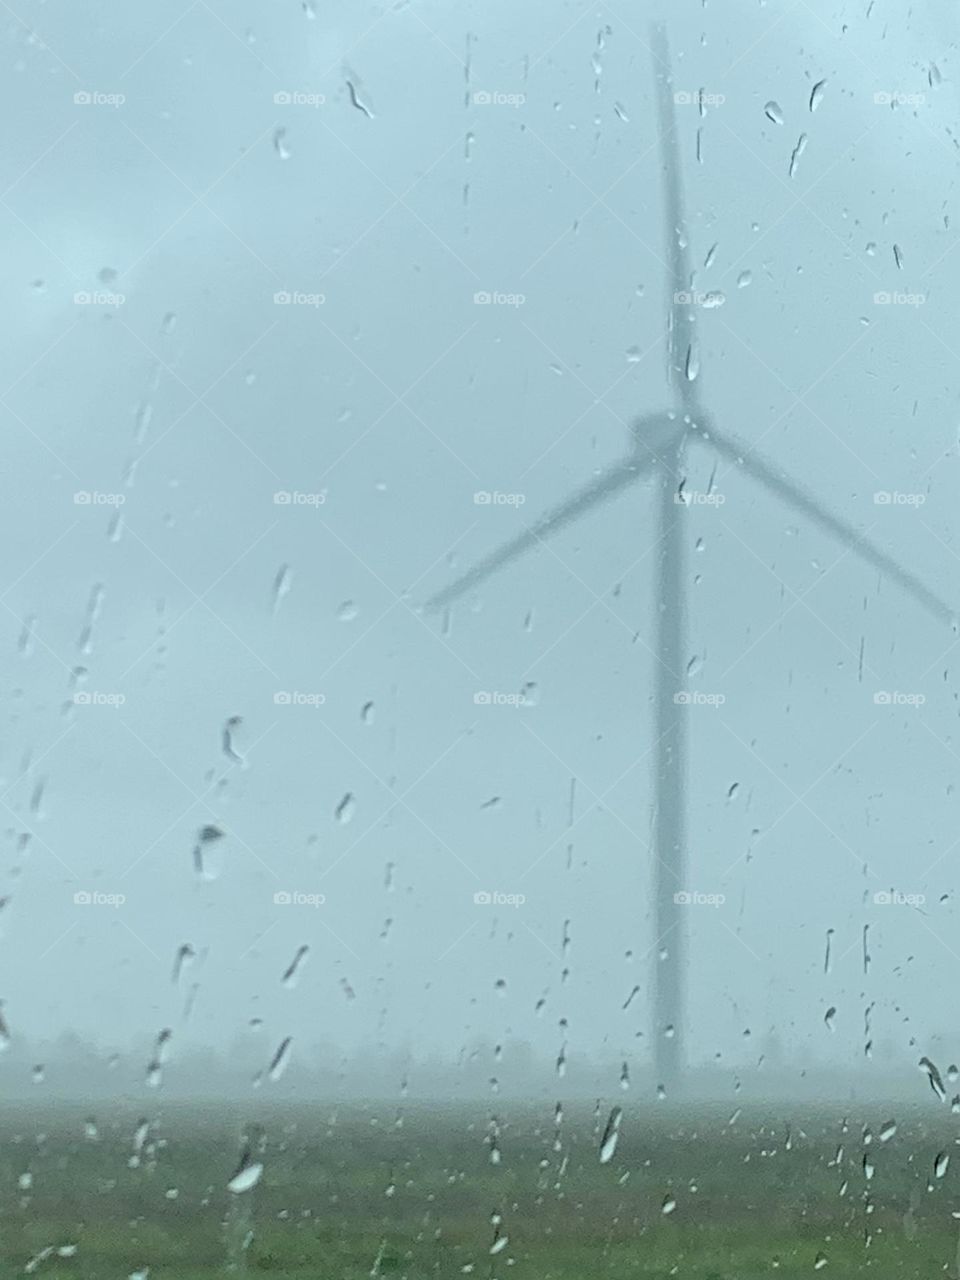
x: 310, y: 306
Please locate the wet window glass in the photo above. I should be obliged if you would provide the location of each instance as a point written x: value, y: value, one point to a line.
x: 479, y: 757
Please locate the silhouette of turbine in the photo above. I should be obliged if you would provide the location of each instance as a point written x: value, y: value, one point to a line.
x: 658, y: 445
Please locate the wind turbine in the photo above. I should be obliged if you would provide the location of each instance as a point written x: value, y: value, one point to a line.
x: 658, y: 445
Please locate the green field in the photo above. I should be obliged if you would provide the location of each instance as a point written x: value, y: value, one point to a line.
x: 403, y: 1191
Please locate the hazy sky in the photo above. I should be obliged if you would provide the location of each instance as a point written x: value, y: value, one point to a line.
x: 388, y: 186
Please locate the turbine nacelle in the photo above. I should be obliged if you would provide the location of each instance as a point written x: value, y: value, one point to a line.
x: 655, y: 436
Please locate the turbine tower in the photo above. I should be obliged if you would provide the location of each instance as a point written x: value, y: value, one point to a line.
x: 658, y: 446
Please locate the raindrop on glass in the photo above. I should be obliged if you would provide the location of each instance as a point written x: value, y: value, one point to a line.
x: 292, y: 972
x: 346, y: 809
x: 611, y: 1135
x: 280, y: 1060
x: 797, y: 153
x: 246, y: 1177
x: 282, y: 582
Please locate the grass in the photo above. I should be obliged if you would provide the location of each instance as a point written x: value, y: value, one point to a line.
x: 353, y: 1194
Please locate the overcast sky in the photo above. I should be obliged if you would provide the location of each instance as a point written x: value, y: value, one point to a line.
x: 429, y: 152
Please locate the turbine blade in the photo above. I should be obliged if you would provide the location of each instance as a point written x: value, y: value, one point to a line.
x: 590, y: 495
x: 805, y: 503
x: 680, y: 304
